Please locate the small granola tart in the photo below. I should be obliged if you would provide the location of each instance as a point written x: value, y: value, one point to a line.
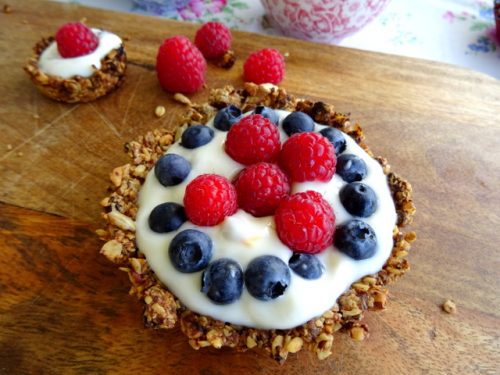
x: 264, y: 222
x: 78, y: 64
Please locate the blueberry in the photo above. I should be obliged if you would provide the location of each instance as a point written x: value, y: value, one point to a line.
x: 358, y: 199
x: 166, y: 217
x: 226, y: 117
x: 172, y: 169
x: 222, y: 281
x: 307, y: 266
x: 351, y: 168
x: 267, y: 113
x: 336, y: 138
x: 190, y: 250
x: 297, y: 122
x: 356, y: 239
x: 196, y: 136
x: 267, y: 277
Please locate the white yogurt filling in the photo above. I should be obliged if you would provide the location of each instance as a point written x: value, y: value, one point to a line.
x: 52, y: 63
x: 243, y: 237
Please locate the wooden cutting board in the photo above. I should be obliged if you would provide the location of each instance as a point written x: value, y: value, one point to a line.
x: 65, y: 309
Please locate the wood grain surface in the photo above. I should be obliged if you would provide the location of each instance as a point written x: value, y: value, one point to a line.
x: 65, y: 309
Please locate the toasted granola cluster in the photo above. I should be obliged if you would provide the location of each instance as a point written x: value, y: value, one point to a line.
x: 163, y: 309
x: 78, y: 89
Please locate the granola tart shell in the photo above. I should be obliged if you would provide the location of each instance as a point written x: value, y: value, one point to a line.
x: 78, y: 89
x: 164, y: 310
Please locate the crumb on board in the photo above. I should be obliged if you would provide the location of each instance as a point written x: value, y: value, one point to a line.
x: 227, y: 60
x: 9, y: 147
x: 449, y: 306
x: 160, y: 111
x: 183, y: 99
x: 286, y: 54
x: 7, y: 9
x: 20, y: 153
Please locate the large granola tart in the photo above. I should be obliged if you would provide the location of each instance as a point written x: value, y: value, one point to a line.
x: 163, y: 309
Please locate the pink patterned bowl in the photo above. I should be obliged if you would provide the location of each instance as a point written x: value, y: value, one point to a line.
x: 326, y: 21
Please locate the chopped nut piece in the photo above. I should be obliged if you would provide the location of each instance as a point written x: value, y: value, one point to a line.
x: 112, y: 250
x: 160, y: 111
x: 116, y: 176
x: 449, y: 306
x: 358, y: 333
x: 121, y: 221
x: 295, y: 345
x: 251, y: 342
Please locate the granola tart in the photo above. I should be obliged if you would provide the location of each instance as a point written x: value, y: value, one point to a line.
x: 162, y: 309
x: 78, y: 88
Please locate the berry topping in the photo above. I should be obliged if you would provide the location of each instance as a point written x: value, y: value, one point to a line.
x: 267, y: 113
x: 260, y: 188
x: 267, y: 277
x: 356, y: 239
x: 307, y: 266
x: 305, y: 222
x: 196, y: 136
x: 297, y: 122
x: 253, y: 139
x: 351, y: 168
x: 180, y: 66
x: 308, y: 157
x: 222, y: 281
x: 226, y: 117
x: 190, y: 250
x: 336, y: 138
x: 209, y: 198
x: 166, y: 217
x: 172, y: 169
x: 75, y: 39
x: 358, y: 199
x: 264, y: 66
x: 213, y: 39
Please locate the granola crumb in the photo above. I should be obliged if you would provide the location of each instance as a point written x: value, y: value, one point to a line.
x: 20, y: 153
x: 160, y: 111
x: 449, y: 307
x: 227, y: 60
x: 9, y: 147
x: 7, y: 9
x: 183, y: 99
x: 286, y: 54
x: 83, y: 20
x: 36, y: 116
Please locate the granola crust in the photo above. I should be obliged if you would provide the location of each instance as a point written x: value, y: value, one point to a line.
x: 163, y: 309
x: 78, y: 89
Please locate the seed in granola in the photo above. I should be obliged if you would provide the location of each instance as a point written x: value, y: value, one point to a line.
x: 226, y: 117
x: 166, y: 217
x: 449, y: 306
x: 190, y: 251
x: 160, y: 111
x: 222, y: 281
x: 172, y: 169
x: 196, y: 136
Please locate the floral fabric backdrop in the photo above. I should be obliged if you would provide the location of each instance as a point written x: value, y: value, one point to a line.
x: 460, y: 32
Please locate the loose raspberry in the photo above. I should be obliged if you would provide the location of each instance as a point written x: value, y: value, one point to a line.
x: 264, y: 66
x: 180, y: 66
x: 75, y: 39
x: 260, y: 188
x: 213, y: 39
x: 252, y: 140
x: 208, y: 199
x: 305, y: 222
x: 308, y: 156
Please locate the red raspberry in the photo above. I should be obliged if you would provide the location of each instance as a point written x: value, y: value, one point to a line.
x: 180, y: 66
x: 208, y: 199
x: 308, y: 156
x: 213, y: 39
x: 305, y: 222
x: 264, y: 66
x: 253, y: 139
x: 260, y: 188
x: 75, y: 39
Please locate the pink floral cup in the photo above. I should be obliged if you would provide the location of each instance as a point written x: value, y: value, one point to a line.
x: 326, y: 21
